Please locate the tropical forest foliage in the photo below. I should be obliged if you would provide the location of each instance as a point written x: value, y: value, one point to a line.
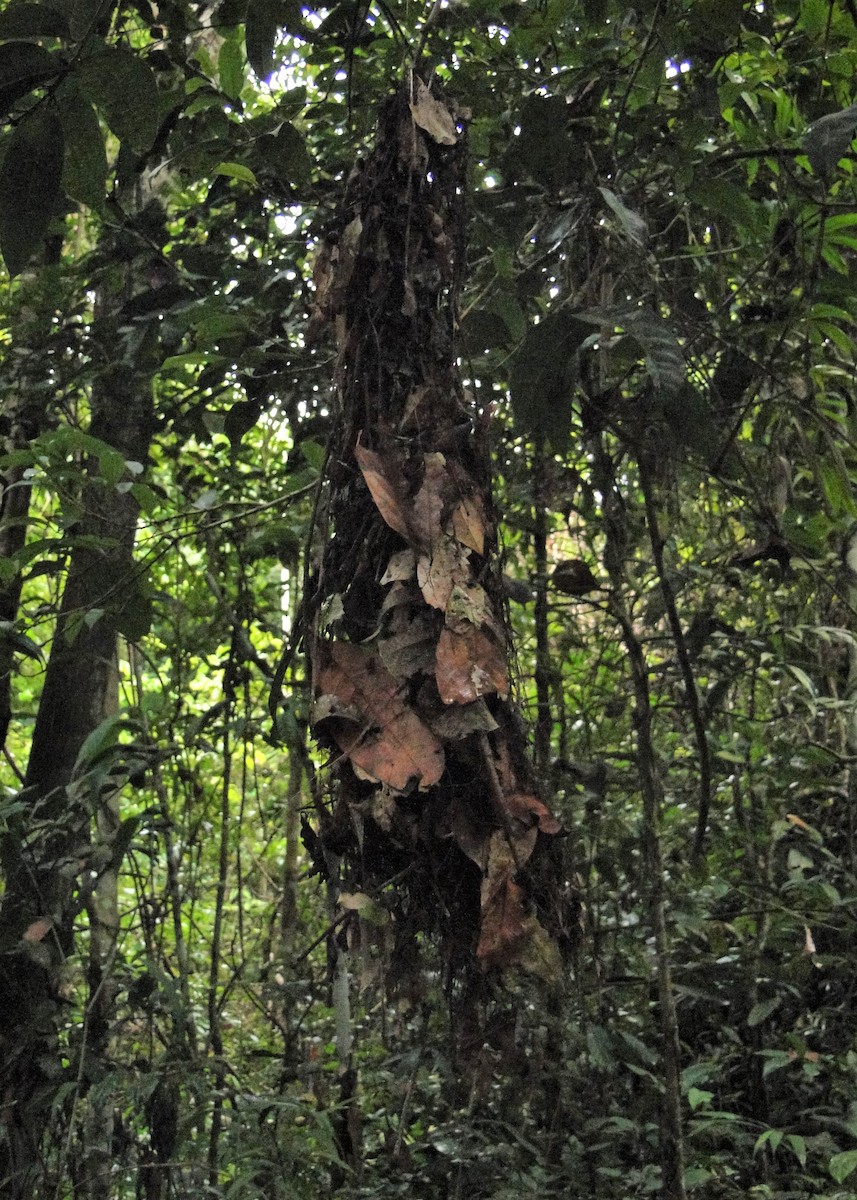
x: 428, y: 599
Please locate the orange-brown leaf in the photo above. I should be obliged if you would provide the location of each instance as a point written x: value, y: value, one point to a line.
x: 469, y: 664
x: 388, y: 741
x: 529, y: 808
x: 384, y: 481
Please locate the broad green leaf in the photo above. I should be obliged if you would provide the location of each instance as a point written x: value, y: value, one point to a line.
x: 85, y: 168
x: 287, y: 153
x: 263, y: 24
x: 29, y: 187
x: 632, y: 223
x: 230, y: 68
x: 664, y: 359
x: 135, y: 613
x: 314, y: 454
x: 84, y: 17
x: 600, y: 1047
x: 19, y: 642
x: 234, y: 170
x: 827, y: 139
x: 102, y: 739
x: 511, y: 314
x: 240, y: 419
x: 771, y: 1137
x: 698, y: 1096
x: 23, y: 66
x: 543, y: 377
x: 544, y: 148
x: 123, y: 88
x: 842, y: 1165
x: 761, y: 1011
x: 31, y: 21
x: 797, y: 1145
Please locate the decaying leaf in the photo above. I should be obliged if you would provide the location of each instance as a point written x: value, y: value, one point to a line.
x: 430, y: 500
x: 468, y: 523
x: 439, y: 571
x: 384, y: 480
x: 471, y: 605
x: 410, y: 650
x: 402, y: 566
x: 388, y: 742
x: 469, y: 664
x: 527, y: 807
x: 460, y: 720
x: 506, y: 924
x: 431, y: 115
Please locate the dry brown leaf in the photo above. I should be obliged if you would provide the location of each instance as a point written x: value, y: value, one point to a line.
x: 384, y: 480
x: 439, y: 572
x: 460, y: 720
x: 432, y: 116
x: 468, y: 524
x: 468, y: 665
x: 411, y: 649
x: 470, y: 604
x: 505, y: 925
x: 524, y: 807
x: 389, y: 742
x: 401, y: 566
x: 428, y: 504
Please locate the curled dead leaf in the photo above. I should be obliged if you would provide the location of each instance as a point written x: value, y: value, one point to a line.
x: 431, y: 115
x: 384, y: 481
x: 526, y: 807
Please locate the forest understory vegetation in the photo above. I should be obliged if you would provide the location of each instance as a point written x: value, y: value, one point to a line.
x: 428, y: 600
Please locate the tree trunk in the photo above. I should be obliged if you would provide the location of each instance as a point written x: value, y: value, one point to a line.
x: 46, y: 856
x: 436, y: 808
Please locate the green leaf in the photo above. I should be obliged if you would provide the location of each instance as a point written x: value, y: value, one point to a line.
x: 264, y: 20
x: 234, y: 170
x: 797, y: 1145
x: 84, y: 16
x: 697, y: 1096
x: 19, y: 642
x: 260, y: 35
x: 135, y: 613
x: 841, y: 1165
x: 286, y: 151
x: 29, y: 187
x: 543, y: 377
x: 123, y: 89
x: 85, y: 167
x: 102, y: 739
x: 23, y: 66
x: 314, y: 454
x: 632, y: 223
x: 230, y: 69
x: 31, y: 21
x: 771, y: 1137
x: 827, y: 139
x: 761, y: 1011
x: 240, y: 419
x: 664, y: 359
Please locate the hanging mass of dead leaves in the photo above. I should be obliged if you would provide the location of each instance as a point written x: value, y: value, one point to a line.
x: 409, y: 645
